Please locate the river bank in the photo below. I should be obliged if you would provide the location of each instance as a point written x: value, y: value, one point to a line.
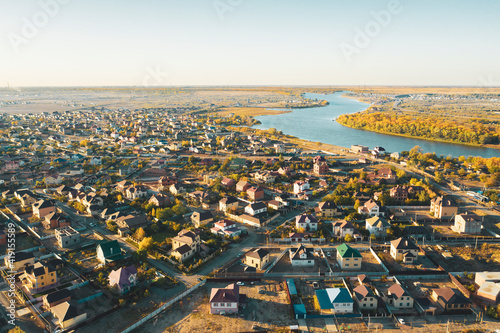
x: 316, y: 125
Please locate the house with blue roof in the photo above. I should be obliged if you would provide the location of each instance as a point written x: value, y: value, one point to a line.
x: 334, y: 300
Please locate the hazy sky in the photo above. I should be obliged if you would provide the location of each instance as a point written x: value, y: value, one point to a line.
x: 249, y: 42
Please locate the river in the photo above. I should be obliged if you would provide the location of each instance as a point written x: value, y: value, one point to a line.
x: 316, y: 124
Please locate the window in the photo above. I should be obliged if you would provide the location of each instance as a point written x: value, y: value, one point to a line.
x: 407, y: 304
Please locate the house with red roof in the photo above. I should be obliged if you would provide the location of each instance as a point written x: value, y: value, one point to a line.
x: 226, y: 300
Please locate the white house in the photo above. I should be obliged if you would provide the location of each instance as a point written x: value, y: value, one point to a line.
x: 225, y: 227
x: 377, y: 226
x: 335, y: 300
x: 300, y: 186
x: 370, y: 208
x: 306, y: 221
x: 302, y: 256
x: 256, y: 208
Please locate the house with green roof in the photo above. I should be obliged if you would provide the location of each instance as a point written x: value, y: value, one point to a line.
x: 349, y: 258
x: 334, y: 300
x: 109, y: 252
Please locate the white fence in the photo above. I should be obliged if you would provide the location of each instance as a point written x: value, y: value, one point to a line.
x: 163, y: 307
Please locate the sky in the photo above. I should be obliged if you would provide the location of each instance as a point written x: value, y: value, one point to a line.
x: 249, y: 42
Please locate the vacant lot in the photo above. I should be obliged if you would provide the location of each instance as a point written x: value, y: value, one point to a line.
x: 268, y: 310
x: 485, y: 258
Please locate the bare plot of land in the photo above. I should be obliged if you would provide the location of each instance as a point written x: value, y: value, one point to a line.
x: 484, y: 258
x: 269, y: 311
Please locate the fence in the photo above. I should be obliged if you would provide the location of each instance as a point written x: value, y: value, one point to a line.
x: 89, y: 298
x: 460, y: 286
x: 76, y: 286
x: 379, y: 260
x: 163, y: 307
x: 276, y: 261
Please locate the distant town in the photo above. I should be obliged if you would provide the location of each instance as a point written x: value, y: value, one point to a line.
x: 184, y: 218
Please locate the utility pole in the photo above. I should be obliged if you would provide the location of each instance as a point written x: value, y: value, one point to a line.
x: 475, y: 247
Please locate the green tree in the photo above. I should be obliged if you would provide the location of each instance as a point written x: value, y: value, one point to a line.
x: 146, y: 244
x: 140, y: 234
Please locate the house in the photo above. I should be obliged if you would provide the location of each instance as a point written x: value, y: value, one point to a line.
x: 109, y: 252
x: 302, y: 256
x: 183, y: 252
x: 377, y: 226
x: 399, y: 193
x: 265, y: 177
x: 327, y: 209
x: 349, y: 258
x: 398, y: 297
x: 299, y: 237
x: 136, y: 192
x: 275, y: 205
x: 489, y: 287
x: 242, y: 186
x: 53, y: 180
x: 306, y: 221
x: 467, y: 223
x: 403, y: 249
x: 226, y: 228
x: 226, y: 300
x: 257, y: 258
x: 489, y: 293
x: 132, y: 221
x: 42, y: 208
x: 55, y: 298
x: 370, y: 208
x: 55, y: 220
x: 254, y: 221
x: 228, y: 204
x: 365, y: 298
x: 343, y: 228
x: 39, y: 277
x: 283, y: 198
x: 185, y: 245
x: 255, y: 193
x: 443, y: 207
x: 320, y: 168
x: 123, y: 278
x: 228, y: 183
x: 334, y: 300
x: 450, y: 299
x: 68, y: 315
x: 176, y: 189
x: 67, y: 237
x: 17, y: 261
x: 256, y: 208
x: 159, y: 200
x: 386, y: 175
x: 300, y: 186
x: 360, y: 149
x: 201, y: 218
